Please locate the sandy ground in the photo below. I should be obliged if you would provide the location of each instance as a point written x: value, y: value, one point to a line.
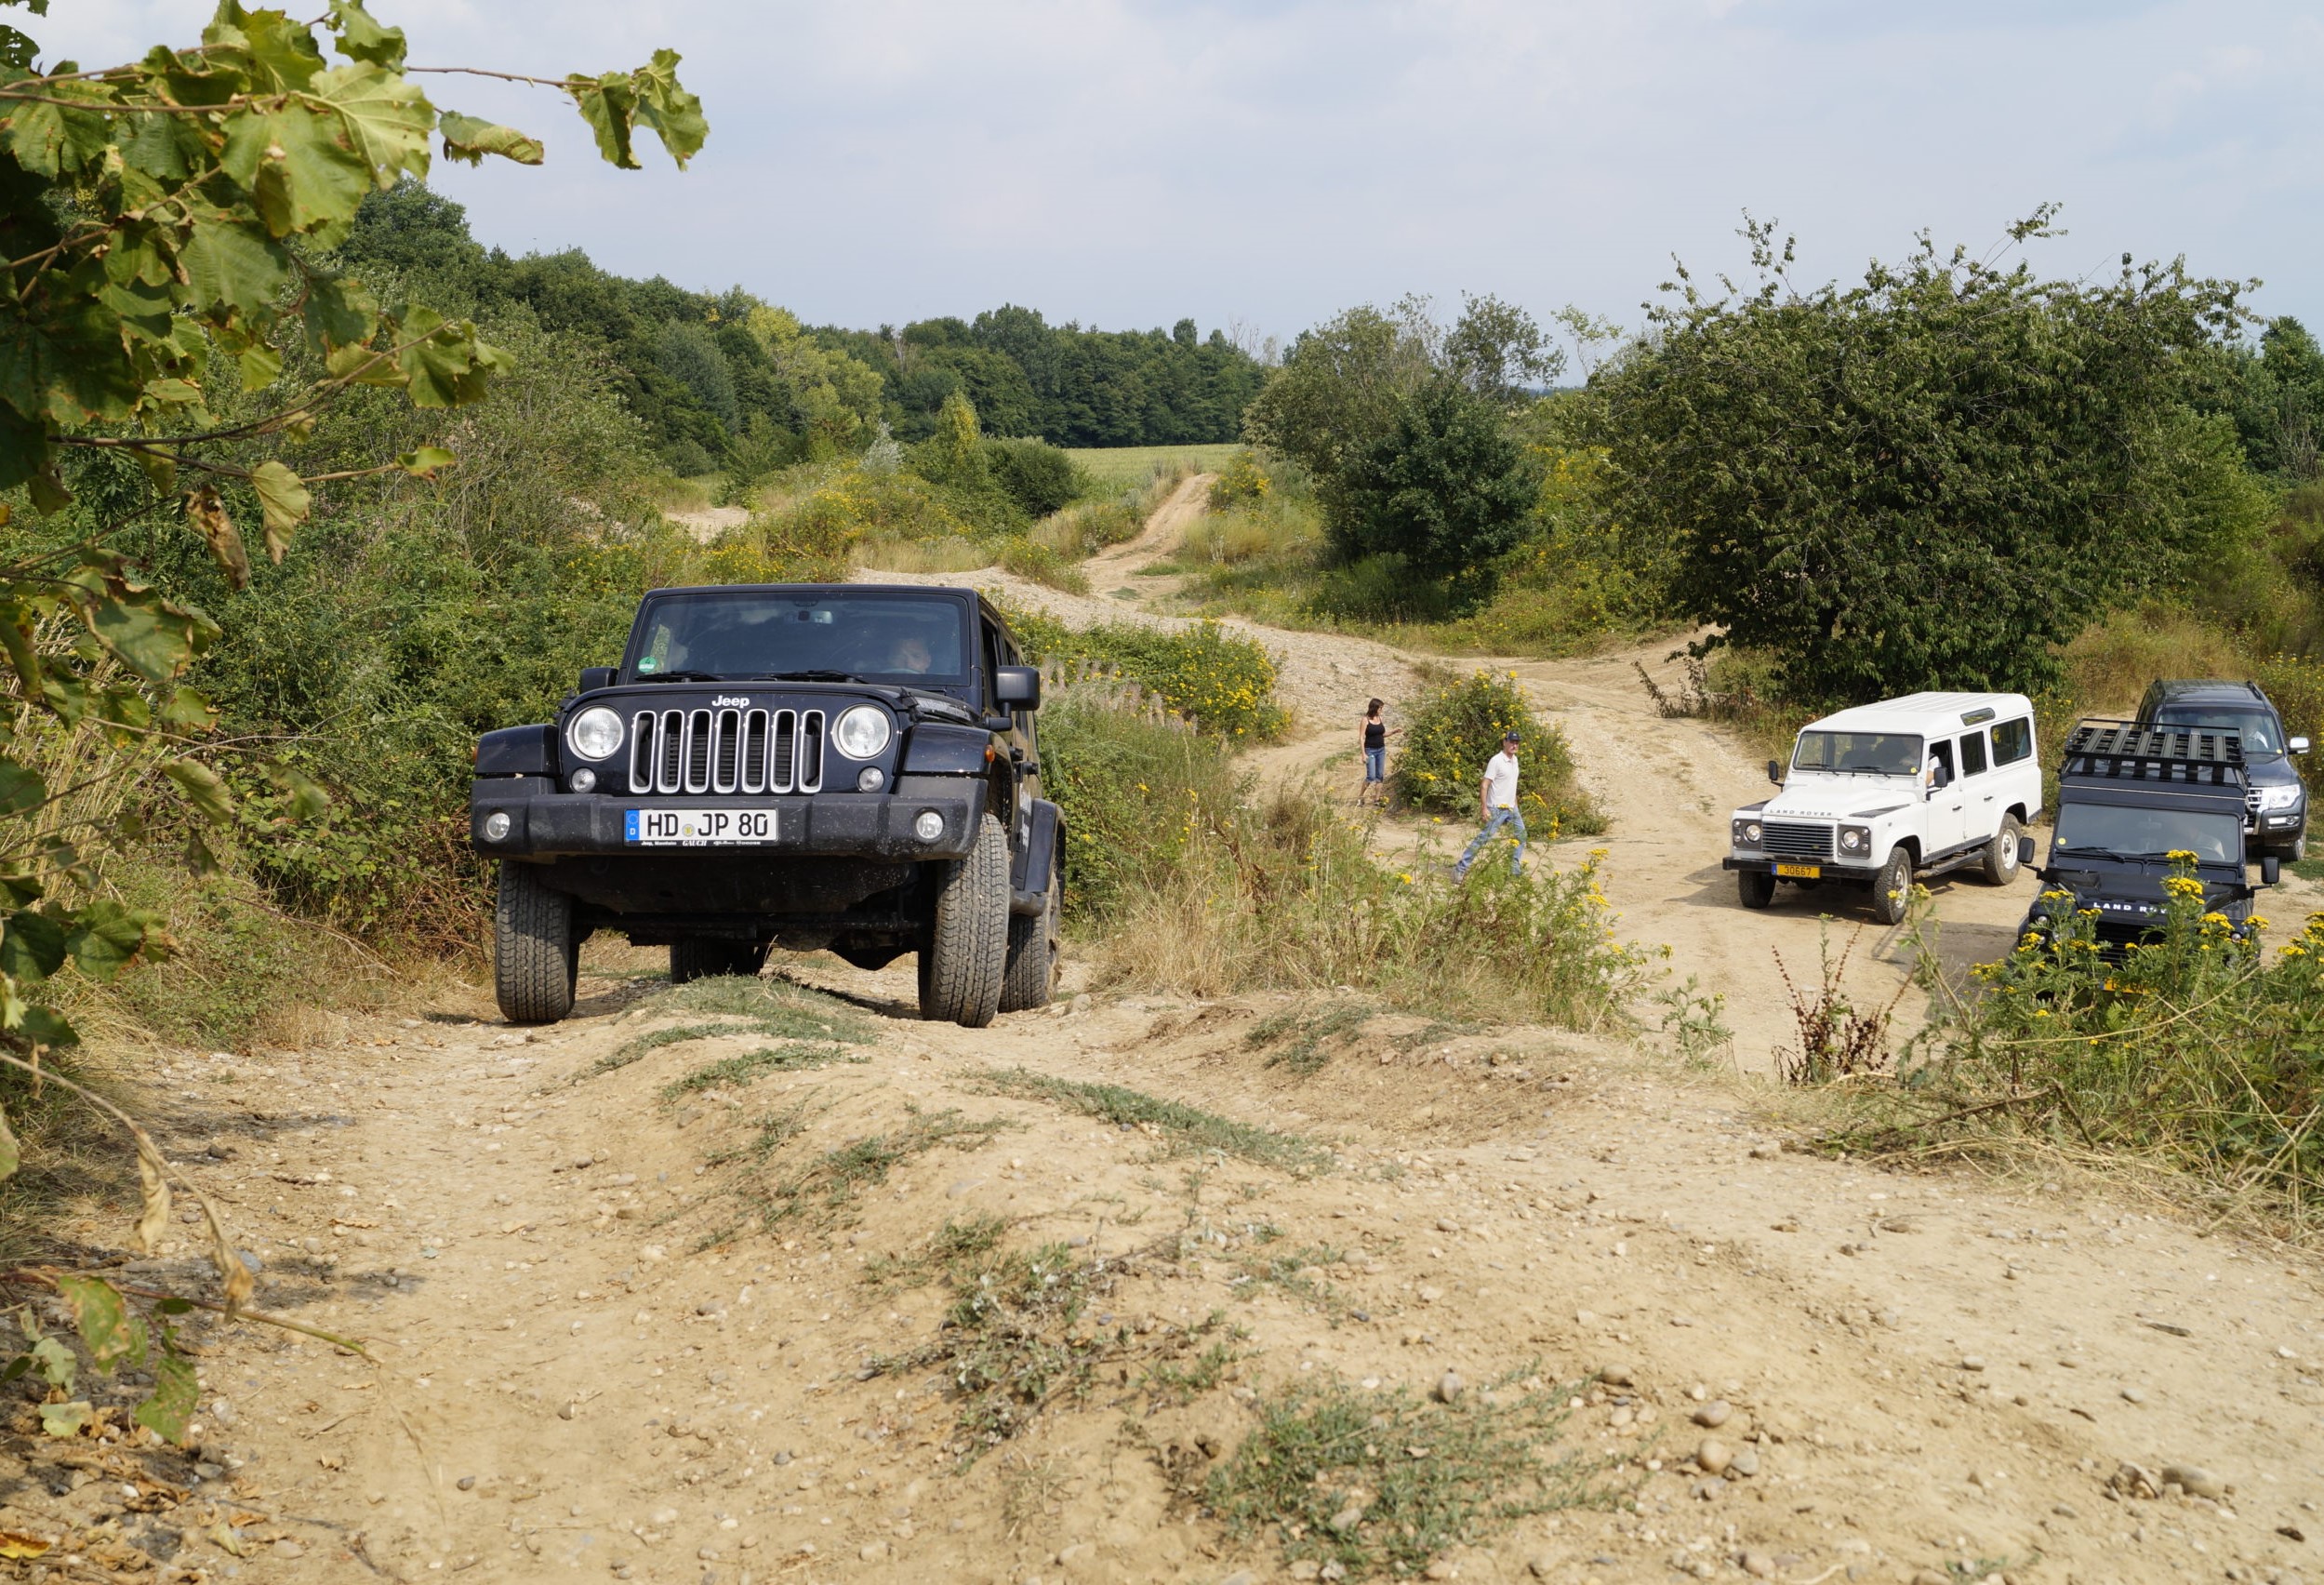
x: 599, y: 1359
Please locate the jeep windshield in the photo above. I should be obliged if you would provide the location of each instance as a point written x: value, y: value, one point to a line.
x: 829, y: 635
x: 2258, y: 728
x: 1879, y: 754
x: 2124, y: 830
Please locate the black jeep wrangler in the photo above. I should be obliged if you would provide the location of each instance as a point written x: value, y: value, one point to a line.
x: 841, y: 766
x: 2129, y: 795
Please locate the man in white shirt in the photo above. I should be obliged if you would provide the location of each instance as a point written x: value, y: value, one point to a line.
x: 1497, y: 808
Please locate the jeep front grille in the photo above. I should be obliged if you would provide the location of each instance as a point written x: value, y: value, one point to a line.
x: 1790, y: 841
x: 2251, y: 808
x: 727, y: 750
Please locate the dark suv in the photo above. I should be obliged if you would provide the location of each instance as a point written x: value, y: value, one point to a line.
x: 2275, y: 816
x: 848, y: 767
x: 2130, y: 796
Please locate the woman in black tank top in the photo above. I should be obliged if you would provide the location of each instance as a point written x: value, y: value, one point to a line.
x: 1375, y: 754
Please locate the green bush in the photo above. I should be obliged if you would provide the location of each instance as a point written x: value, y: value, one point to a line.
x: 1128, y: 784
x: 1039, y: 477
x: 1030, y: 558
x: 1242, y: 482
x: 1220, y: 681
x: 1459, y: 725
x: 1379, y: 589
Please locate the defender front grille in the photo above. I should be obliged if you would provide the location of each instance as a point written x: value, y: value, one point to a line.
x: 727, y: 750
x: 1790, y: 841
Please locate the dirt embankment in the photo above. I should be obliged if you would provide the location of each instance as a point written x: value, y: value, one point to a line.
x: 642, y: 1316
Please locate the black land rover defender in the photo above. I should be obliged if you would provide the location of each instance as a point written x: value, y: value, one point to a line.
x: 2129, y: 795
x: 2275, y: 807
x: 841, y: 766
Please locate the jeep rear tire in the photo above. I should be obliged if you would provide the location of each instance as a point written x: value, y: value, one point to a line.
x: 536, y: 954
x: 1892, y: 889
x: 1757, y: 886
x: 701, y: 957
x: 1034, y: 953
x: 966, y: 953
x: 2001, y: 865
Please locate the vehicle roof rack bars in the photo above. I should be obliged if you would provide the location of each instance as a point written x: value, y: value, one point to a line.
x: 2138, y: 750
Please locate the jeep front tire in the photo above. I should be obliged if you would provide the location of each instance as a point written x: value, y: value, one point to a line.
x: 1892, y: 889
x: 2001, y: 865
x: 1757, y: 886
x: 1032, y: 979
x: 536, y: 954
x: 964, y: 957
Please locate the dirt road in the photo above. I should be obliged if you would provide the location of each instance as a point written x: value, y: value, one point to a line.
x: 675, y: 1309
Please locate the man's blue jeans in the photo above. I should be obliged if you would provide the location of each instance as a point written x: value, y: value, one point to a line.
x: 1500, y: 818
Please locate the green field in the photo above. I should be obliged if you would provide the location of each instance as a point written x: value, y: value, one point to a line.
x: 1127, y: 465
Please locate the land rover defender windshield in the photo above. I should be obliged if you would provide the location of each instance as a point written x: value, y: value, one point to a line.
x: 1880, y: 753
x: 2125, y: 831
x: 831, y: 634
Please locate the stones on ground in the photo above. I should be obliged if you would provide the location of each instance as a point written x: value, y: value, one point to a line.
x: 1348, y: 1518
x: 1744, y: 1463
x: 1930, y: 1576
x: 1617, y: 1375
x: 665, y: 1516
x: 1430, y: 1295
x: 568, y: 1411
x: 2194, y: 1481
x: 1440, y: 1569
x: 1713, y: 1457
x: 1972, y: 1362
x: 2133, y: 1395
x: 288, y: 1548
x: 1713, y: 1415
x: 873, y: 1552
x: 1756, y: 1563
x: 466, y: 1482
x: 1541, y: 1567
x: 1449, y: 1387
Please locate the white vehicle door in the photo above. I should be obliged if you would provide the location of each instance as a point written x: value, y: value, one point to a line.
x: 2016, y: 772
x: 1981, y: 791
x: 1945, y: 818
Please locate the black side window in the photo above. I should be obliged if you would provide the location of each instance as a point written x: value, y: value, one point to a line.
x: 1973, y: 754
x: 2012, y: 740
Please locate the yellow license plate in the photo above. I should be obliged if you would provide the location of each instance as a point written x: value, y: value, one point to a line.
x: 1800, y: 871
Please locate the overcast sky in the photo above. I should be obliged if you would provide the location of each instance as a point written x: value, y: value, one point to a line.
x: 1267, y: 163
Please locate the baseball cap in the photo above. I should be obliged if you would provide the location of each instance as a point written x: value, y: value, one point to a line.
x: 1511, y: 738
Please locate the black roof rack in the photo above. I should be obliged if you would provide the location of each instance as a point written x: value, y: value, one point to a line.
x: 2143, y: 751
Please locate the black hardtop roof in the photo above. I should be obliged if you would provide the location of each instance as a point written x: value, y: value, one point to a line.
x: 2115, y: 752
x: 2175, y: 690
x: 936, y: 591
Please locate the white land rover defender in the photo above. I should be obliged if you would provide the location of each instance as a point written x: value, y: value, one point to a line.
x: 1914, y: 786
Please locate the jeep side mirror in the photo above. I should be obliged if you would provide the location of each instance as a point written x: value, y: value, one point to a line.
x: 2024, y: 849
x: 1775, y: 772
x: 596, y: 677
x: 2298, y: 745
x: 1017, y: 686
x: 2271, y: 870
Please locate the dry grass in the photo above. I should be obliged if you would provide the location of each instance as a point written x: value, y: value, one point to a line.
x: 1127, y: 466
x: 951, y: 554
x: 2109, y: 666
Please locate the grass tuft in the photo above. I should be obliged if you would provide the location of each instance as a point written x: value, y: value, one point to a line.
x: 1383, y: 1483
x: 741, y: 1070
x: 1187, y: 1124
x: 832, y: 1182
x: 750, y: 1006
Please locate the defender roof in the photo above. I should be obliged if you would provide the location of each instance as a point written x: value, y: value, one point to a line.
x: 1927, y: 715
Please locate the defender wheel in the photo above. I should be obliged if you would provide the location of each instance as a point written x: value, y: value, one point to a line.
x: 1034, y: 953
x: 965, y: 955
x: 1757, y: 886
x: 699, y: 957
x: 1892, y: 889
x: 535, y: 953
x: 2000, y: 864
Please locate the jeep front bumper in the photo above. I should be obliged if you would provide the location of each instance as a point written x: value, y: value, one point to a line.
x: 545, y: 823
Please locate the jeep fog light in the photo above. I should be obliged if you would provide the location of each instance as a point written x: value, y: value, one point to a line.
x: 871, y: 780
x: 584, y: 780
x: 595, y: 733
x: 862, y: 732
x: 496, y: 825
x: 929, y: 826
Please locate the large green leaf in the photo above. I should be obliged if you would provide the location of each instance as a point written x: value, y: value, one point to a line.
x: 232, y: 264
x: 283, y: 51
x: 301, y: 164
x: 610, y: 105
x: 204, y: 789
x: 111, y: 1331
x: 466, y: 138
x: 32, y: 947
x: 338, y: 312
x: 282, y: 497
x: 105, y: 937
x: 444, y: 364
x: 20, y: 790
x: 170, y: 1409
x: 146, y: 632
x: 361, y: 38
x: 674, y: 114
x: 387, y: 119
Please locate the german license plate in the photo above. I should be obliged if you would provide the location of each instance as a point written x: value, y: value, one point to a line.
x: 700, y: 828
x: 1800, y: 871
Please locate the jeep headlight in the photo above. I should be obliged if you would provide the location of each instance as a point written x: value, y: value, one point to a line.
x: 2279, y: 797
x: 862, y: 732
x: 1746, y: 833
x: 1855, y: 841
x: 595, y: 733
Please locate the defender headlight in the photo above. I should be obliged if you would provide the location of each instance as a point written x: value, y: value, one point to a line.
x: 595, y: 733
x: 2280, y: 797
x: 862, y: 732
x: 1746, y: 833
x: 1855, y: 840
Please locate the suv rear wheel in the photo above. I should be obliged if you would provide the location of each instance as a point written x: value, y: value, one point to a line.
x: 1892, y: 889
x: 535, y: 953
x: 1032, y: 979
x: 965, y: 955
x: 2001, y: 866
x: 699, y: 957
